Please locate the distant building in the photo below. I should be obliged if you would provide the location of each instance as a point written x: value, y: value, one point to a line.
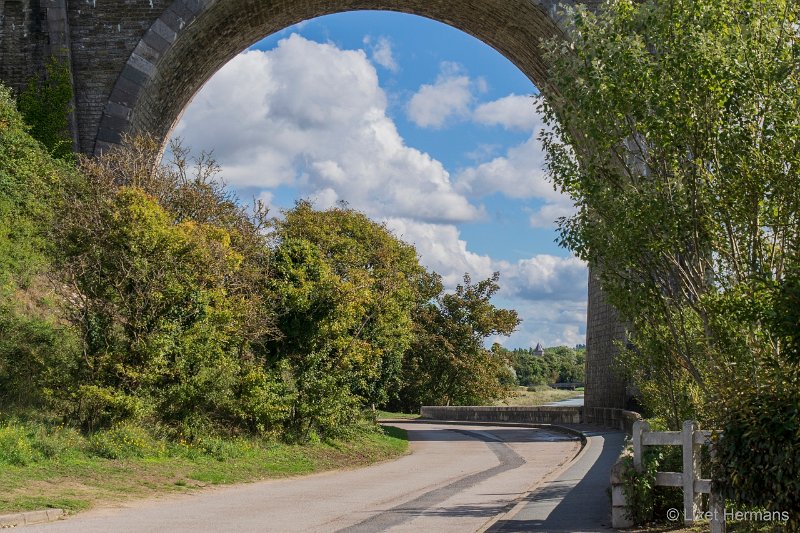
x: 539, y: 350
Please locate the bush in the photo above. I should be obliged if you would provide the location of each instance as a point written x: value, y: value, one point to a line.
x: 223, y: 449
x: 15, y: 446
x: 646, y: 500
x: 758, y: 453
x: 102, y: 406
x: 124, y: 441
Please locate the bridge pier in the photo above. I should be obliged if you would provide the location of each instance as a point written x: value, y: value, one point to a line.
x: 605, y: 387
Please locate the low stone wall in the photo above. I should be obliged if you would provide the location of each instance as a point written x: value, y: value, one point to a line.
x: 610, y: 418
x: 599, y: 416
x: 525, y: 415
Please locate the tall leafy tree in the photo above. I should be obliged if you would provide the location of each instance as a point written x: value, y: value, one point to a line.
x: 675, y: 128
x: 448, y: 363
x: 345, y: 289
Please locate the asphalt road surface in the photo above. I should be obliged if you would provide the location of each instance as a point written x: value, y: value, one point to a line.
x: 459, y: 478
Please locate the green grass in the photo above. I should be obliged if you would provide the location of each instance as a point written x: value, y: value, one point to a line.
x: 538, y: 395
x: 382, y: 415
x: 58, y: 468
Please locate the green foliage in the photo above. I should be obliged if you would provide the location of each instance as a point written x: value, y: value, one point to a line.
x: 674, y: 128
x: 35, y: 351
x: 560, y: 364
x: 29, y: 186
x: 344, y: 289
x: 124, y: 441
x: 25, y: 443
x: 447, y: 363
x: 15, y: 447
x: 46, y: 104
x: 33, y: 344
x: 166, y: 268
x: 758, y: 453
x: 638, y: 487
x: 644, y: 499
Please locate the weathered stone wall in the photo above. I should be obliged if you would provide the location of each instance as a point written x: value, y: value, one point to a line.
x: 605, y: 387
x: 103, y: 36
x: 22, y: 41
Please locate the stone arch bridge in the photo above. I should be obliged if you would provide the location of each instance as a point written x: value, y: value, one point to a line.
x: 136, y: 64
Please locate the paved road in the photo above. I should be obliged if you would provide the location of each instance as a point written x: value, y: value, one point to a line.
x: 576, y: 500
x: 458, y: 478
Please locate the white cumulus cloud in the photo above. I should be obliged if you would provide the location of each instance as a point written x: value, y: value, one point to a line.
x: 442, y: 250
x: 513, y: 112
x: 449, y: 97
x: 312, y: 116
x: 381, y: 53
x: 546, y: 216
x: 548, y: 277
x: 517, y: 174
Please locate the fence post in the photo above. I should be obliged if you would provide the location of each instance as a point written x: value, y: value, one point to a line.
x: 691, y: 471
x: 716, y: 504
x: 639, y: 427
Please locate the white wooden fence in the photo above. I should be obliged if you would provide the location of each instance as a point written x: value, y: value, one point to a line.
x: 692, y: 439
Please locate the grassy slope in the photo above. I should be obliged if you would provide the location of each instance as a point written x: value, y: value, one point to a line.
x: 77, y: 480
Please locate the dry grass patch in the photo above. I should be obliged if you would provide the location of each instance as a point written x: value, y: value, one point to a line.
x: 538, y: 395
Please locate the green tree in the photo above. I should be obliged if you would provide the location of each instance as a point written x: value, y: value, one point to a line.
x: 447, y: 364
x: 560, y: 364
x: 164, y: 276
x: 674, y: 127
x: 345, y: 289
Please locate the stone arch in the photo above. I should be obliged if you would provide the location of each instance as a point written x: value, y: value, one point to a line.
x: 192, y: 39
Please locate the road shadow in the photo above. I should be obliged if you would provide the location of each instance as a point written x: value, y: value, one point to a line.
x: 579, y: 496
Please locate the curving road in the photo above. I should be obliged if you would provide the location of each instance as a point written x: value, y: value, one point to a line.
x: 459, y: 477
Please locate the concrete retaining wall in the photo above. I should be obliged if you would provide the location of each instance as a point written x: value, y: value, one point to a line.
x: 527, y: 415
x: 610, y: 418
x: 600, y: 416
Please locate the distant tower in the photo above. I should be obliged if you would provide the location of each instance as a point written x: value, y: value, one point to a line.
x: 539, y: 350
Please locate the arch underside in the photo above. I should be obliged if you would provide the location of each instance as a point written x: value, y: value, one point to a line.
x: 193, y: 39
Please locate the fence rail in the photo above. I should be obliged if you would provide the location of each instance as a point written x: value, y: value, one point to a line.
x: 692, y: 440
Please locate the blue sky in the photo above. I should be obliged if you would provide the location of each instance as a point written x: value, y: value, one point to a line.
x: 415, y: 123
